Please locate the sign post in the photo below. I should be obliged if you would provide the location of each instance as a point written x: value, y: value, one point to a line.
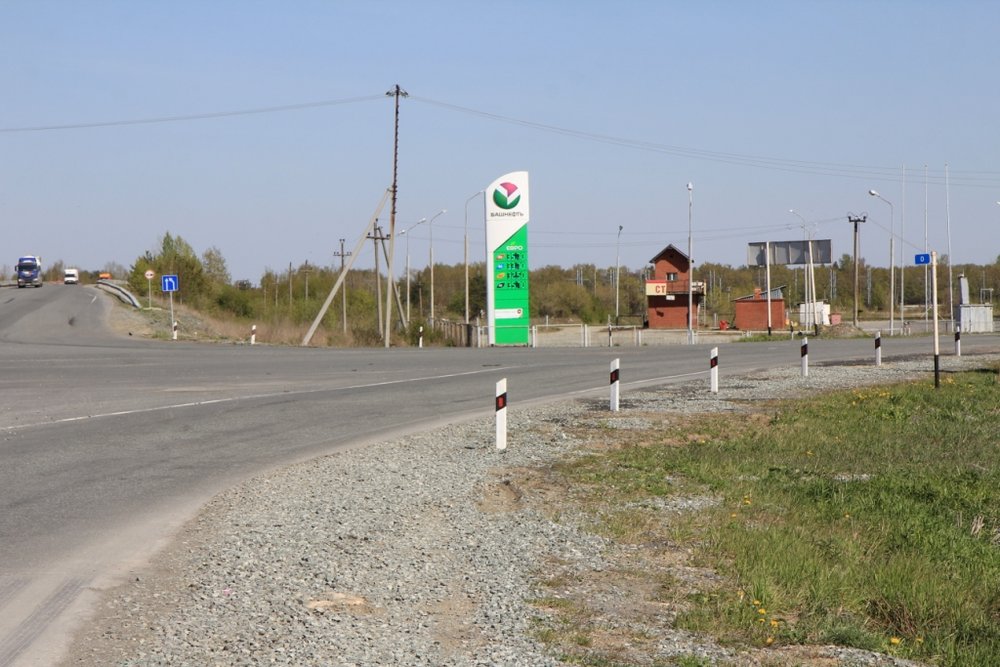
x: 931, y: 258
x: 615, y: 384
x: 150, y: 274
x: 507, y: 300
x: 501, y: 414
x: 170, y: 284
x: 713, y: 371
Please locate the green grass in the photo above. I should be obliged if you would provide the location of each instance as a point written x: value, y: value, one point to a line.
x: 866, y: 518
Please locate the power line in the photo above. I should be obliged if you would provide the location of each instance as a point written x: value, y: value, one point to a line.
x: 969, y: 178
x: 865, y: 172
x: 189, y: 117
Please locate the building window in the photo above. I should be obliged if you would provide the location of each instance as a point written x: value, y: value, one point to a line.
x: 671, y: 277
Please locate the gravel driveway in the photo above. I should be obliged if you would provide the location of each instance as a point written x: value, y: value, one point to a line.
x: 419, y: 551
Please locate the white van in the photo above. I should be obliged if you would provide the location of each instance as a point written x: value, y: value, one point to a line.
x: 71, y: 277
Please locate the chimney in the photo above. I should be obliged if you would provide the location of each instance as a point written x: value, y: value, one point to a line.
x: 963, y: 289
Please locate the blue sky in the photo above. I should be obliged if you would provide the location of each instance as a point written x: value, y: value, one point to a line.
x: 612, y: 107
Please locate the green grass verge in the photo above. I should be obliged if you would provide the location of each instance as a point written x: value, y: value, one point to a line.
x: 867, y: 518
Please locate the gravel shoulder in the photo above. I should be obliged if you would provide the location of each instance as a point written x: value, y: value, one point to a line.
x: 430, y: 550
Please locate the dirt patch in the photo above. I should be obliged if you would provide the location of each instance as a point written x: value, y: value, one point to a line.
x: 454, y: 627
x: 842, y: 330
x: 154, y: 322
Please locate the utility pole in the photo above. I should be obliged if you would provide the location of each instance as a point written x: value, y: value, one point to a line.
x: 289, y: 286
x: 856, y: 220
x: 376, y: 236
x: 396, y: 92
x: 342, y: 255
x: 306, y: 271
x: 690, y: 187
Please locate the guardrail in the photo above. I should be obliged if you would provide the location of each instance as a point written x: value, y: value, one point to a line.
x: 117, y: 290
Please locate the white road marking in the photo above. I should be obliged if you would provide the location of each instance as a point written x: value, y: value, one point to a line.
x: 215, y: 401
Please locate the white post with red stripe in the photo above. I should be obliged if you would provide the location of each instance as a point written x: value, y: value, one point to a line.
x: 713, y: 373
x: 501, y: 406
x: 615, y: 388
x: 805, y: 357
x: 878, y: 348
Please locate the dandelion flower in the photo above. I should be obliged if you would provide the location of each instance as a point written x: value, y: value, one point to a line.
x: 774, y: 622
x: 894, y: 640
x: 762, y: 611
x: 769, y: 641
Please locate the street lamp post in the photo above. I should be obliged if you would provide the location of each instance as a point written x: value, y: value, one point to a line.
x: 617, y: 269
x: 481, y: 192
x: 430, y: 229
x: 892, y: 261
x: 406, y: 234
x: 809, y: 281
x: 690, y: 188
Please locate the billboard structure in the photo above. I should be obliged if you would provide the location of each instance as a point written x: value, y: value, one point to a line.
x: 808, y: 253
x: 789, y: 252
x: 507, y: 215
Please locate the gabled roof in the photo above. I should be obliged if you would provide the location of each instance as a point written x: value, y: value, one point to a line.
x: 776, y: 294
x: 666, y: 250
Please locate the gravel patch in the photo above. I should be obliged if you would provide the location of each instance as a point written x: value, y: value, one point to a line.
x: 418, y: 551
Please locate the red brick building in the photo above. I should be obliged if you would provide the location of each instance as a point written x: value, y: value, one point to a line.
x: 750, y: 312
x: 667, y: 291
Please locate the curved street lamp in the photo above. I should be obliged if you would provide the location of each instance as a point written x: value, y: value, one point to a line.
x: 430, y: 228
x: 404, y: 233
x: 690, y: 188
x: 617, y: 269
x: 810, y: 279
x: 481, y: 192
x: 892, y: 261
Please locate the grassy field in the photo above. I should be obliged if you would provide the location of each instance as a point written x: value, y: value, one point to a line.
x: 867, y: 518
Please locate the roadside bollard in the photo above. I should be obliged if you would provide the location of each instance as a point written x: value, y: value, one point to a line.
x: 958, y: 340
x: 253, y: 334
x: 420, y: 339
x: 878, y: 348
x: 713, y: 373
x: 615, y: 386
x: 501, y: 409
x: 175, y: 329
x: 805, y: 357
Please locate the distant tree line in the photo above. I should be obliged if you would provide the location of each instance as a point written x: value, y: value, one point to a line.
x: 582, y: 293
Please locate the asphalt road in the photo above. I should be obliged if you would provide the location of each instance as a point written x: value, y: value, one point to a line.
x: 109, y: 443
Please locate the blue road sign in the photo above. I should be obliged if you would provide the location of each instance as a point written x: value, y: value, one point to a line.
x: 923, y: 258
x: 169, y: 283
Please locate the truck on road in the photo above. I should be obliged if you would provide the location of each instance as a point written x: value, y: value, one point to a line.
x: 29, y: 271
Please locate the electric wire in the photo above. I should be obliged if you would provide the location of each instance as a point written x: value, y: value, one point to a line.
x: 190, y: 117
x: 970, y: 178
x: 865, y: 172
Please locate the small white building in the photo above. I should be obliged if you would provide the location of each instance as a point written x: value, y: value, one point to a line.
x: 972, y: 317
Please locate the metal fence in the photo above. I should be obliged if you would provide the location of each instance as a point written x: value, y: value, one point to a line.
x: 461, y: 334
